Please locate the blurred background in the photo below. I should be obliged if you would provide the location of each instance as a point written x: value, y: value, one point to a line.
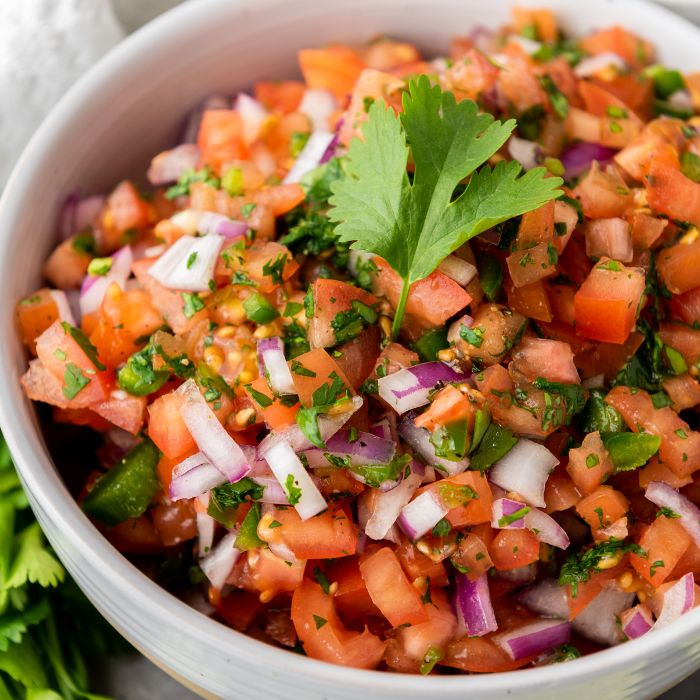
x: 45, y: 45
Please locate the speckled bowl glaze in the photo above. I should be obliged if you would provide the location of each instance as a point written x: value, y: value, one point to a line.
x: 125, y: 109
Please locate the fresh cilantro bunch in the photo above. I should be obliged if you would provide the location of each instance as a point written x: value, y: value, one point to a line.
x: 48, y: 629
x: 414, y: 223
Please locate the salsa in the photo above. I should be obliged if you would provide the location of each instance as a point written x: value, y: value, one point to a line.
x: 396, y: 365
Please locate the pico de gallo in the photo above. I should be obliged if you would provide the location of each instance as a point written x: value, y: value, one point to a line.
x: 396, y: 365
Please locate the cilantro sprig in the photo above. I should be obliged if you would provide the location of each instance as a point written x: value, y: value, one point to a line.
x: 415, y: 223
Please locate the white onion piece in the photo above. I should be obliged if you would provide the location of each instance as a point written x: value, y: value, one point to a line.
x: 358, y: 257
x: 546, y: 529
x: 419, y: 440
x: 169, y: 165
x: 289, y: 470
x: 253, y: 116
x: 211, y: 437
x: 206, y: 526
x: 94, y: 286
x: 318, y: 106
x: 529, y: 46
x: 272, y: 491
x: 421, y: 515
x: 310, y: 156
x: 665, y: 496
x: 594, y: 64
x: 388, y: 505
x: 273, y: 366
x: 461, y: 271
x: 218, y: 564
x: 533, y: 638
x: 636, y: 621
x: 79, y: 212
x: 410, y: 388
x: 194, y: 476
x: 599, y: 619
x: 454, y: 331
x: 193, y: 221
x: 678, y: 599
x: 596, y: 382
x: 527, y: 153
x: 188, y: 264
x: 525, y: 470
x: 520, y: 575
x: 547, y: 599
x: 65, y: 313
x: 681, y: 99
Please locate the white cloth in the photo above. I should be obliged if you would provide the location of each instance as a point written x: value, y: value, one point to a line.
x: 45, y: 45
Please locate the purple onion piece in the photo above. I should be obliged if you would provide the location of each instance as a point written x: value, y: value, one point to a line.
x: 579, y: 157
x: 472, y: 604
x: 534, y: 638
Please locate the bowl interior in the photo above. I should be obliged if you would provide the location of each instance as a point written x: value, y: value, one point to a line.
x: 131, y: 106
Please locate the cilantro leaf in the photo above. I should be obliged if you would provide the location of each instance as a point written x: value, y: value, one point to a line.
x: 33, y: 562
x: 415, y: 225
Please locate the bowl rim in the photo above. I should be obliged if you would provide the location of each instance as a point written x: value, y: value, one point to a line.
x: 41, y: 479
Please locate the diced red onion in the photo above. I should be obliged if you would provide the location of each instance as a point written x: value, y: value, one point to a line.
x: 533, y: 638
x: 599, y: 619
x: 79, y: 212
x: 206, y: 526
x: 211, y: 437
x: 381, y: 429
x: 169, y: 165
x: 194, y: 476
x: 366, y: 449
x: 318, y: 106
x: 217, y: 566
x: 194, y: 120
x: 472, y: 604
x: 272, y: 491
x: 421, y: 515
x: 461, y: 271
x: 193, y: 221
x: 310, y: 156
x: 94, y: 286
x: 253, y: 115
x: 65, y: 313
x: 678, y: 599
x: 453, y: 333
x: 547, y: 599
x: 525, y: 470
x: 388, y: 505
x: 328, y: 426
x: 664, y: 496
x: 503, y: 507
x: 579, y: 157
x: 188, y: 264
x: 527, y: 153
x: 419, y: 440
x: 273, y: 366
x: 594, y: 64
x: 546, y: 529
x: 636, y: 621
x: 285, y: 465
x: 409, y: 388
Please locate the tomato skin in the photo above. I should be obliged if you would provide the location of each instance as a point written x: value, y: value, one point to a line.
x: 166, y: 427
x: 328, y: 535
x: 681, y: 454
x: 330, y: 640
x: 679, y: 265
x: 512, y: 549
x: 606, y: 304
x: 390, y: 590
x: 665, y: 542
x: 123, y: 410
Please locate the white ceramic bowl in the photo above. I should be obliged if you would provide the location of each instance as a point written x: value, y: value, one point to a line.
x: 127, y: 108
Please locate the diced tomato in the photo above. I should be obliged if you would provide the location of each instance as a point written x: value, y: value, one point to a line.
x: 609, y: 238
x: 512, y: 549
x: 268, y: 574
x: 472, y: 75
x: 448, y: 406
x: 123, y: 410
x: 220, y: 137
x: 684, y: 339
x: 560, y: 492
x: 166, y: 427
x: 543, y: 21
x: 335, y: 68
x: 646, y: 230
x: 683, y: 390
x: 135, y: 536
x: 586, y: 591
x: 607, y: 303
x: 551, y: 359
x: 390, y: 590
x: 279, y: 199
x: 431, y: 300
x: 688, y: 563
x: 603, y: 193
x: 656, y: 470
x: 472, y: 556
x: 635, y: 51
x: 325, y: 536
x: 589, y: 465
x: 166, y: 465
x: 452, y: 490
x: 480, y: 655
x: 351, y: 597
x: 679, y: 265
x: 277, y: 415
x: 686, y: 307
x: 35, y: 314
x: 536, y: 226
x: 67, y: 265
x: 664, y: 543
x: 126, y: 210
x: 517, y: 81
x: 330, y: 298
x: 239, y: 608
x: 680, y: 446
x: 283, y: 96
x: 323, y: 635
x: 636, y: 91
x: 532, y: 264
x: 323, y: 367
x: 417, y: 565
x: 561, y: 302
x: 175, y: 522
x: 357, y: 357
x: 670, y: 192
x: 531, y: 300
x: 603, y: 507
